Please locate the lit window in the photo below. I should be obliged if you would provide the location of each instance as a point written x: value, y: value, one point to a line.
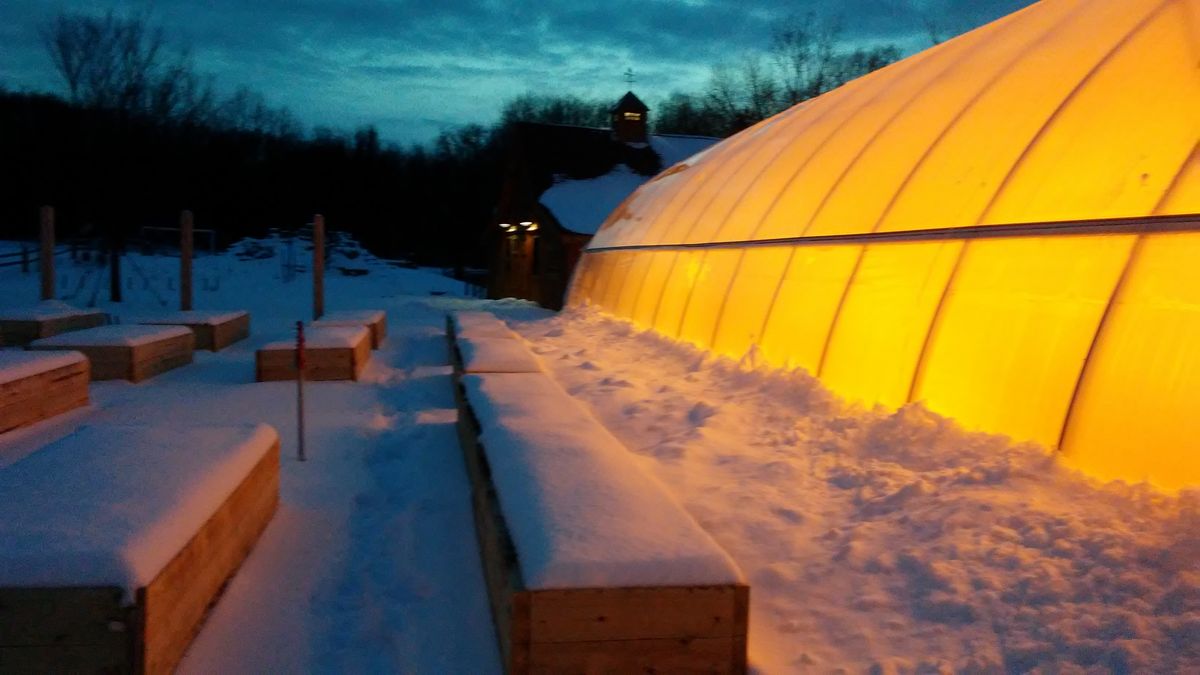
x: 633, y: 116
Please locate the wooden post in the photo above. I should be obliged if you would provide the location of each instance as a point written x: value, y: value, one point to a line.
x: 46, y: 260
x: 185, y: 260
x: 300, y: 391
x: 318, y: 266
x: 114, y: 265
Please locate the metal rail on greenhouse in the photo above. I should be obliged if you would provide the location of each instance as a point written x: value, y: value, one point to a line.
x: 1142, y: 225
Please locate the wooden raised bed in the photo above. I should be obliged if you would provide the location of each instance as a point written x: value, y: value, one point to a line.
x: 214, y: 330
x: 373, y: 319
x: 38, y: 386
x: 331, y: 353
x: 90, y: 627
x: 492, y: 355
x: 130, y: 352
x: 19, y: 327
x: 624, y: 629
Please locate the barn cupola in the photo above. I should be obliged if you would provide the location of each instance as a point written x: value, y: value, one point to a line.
x: 629, y: 119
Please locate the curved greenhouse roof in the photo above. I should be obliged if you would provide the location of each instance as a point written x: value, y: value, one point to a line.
x: 1003, y: 226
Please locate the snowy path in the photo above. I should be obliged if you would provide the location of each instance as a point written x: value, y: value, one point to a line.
x: 371, y: 565
x: 880, y: 542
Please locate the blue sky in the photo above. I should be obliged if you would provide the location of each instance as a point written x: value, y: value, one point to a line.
x: 413, y: 68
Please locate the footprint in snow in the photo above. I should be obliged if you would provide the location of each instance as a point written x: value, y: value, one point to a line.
x: 788, y: 515
x: 615, y: 382
x: 700, y: 413
x: 668, y: 451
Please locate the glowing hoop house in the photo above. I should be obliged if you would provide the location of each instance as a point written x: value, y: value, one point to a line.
x: 1003, y: 226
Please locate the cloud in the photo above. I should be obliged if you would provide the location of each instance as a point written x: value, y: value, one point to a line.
x: 414, y: 67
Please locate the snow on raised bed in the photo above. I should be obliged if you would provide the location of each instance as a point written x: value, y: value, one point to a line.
x: 496, y: 355
x: 127, y: 335
x: 15, y: 365
x: 43, y: 311
x: 112, y: 505
x: 194, y: 316
x: 324, y: 337
x: 351, y: 317
x: 581, y: 512
x: 480, y: 325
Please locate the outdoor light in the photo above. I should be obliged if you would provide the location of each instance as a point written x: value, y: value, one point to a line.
x: 529, y: 225
x: 505, y: 226
x: 510, y: 228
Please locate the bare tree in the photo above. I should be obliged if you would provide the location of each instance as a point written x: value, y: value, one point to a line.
x: 803, y: 50
x: 106, y: 61
x: 124, y: 64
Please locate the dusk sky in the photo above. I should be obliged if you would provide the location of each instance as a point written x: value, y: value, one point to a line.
x: 415, y: 68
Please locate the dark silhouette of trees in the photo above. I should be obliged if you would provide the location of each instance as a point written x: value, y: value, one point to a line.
x: 141, y: 135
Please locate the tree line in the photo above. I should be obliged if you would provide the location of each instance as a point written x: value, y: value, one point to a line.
x: 141, y: 134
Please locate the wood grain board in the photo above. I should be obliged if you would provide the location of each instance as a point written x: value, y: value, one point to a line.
x: 22, y: 332
x: 321, y: 363
x: 133, y: 363
x: 44, y: 395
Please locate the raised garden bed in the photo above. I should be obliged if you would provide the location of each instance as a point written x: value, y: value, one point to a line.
x: 331, y: 353
x: 129, y: 352
x: 591, y: 565
x: 116, y: 541
x: 374, y: 320
x: 19, y: 327
x: 35, y: 386
x: 214, y: 330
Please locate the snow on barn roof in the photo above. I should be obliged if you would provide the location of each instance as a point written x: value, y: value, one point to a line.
x: 582, y: 205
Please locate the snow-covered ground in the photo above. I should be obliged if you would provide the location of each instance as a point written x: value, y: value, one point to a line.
x: 370, y: 564
x: 892, y: 542
x: 873, y: 541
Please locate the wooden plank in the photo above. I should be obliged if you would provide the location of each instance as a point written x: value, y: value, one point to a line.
x: 229, y: 332
x: 362, y: 353
x: 157, y: 357
x: 216, y: 336
x: 32, y: 399
x: 66, y: 324
x: 379, y: 331
x: 20, y: 332
x: 136, y: 363
x: 206, y: 335
x: 587, y: 614
x: 175, y: 604
x: 705, y: 655
x: 321, y: 363
x: 106, y: 363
